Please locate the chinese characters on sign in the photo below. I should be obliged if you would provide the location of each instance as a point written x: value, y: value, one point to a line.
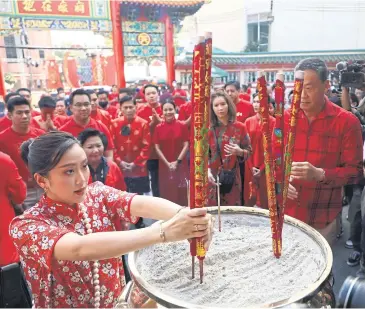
x: 62, y: 7
x: 80, y: 7
x: 75, y: 8
x: 28, y: 5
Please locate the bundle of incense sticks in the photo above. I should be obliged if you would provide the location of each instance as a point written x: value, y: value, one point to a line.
x: 199, y: 144
x: 268, y: 161
x: 288, y: 156
x: 278, y: 144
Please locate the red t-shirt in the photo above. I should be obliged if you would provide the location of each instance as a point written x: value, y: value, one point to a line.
x: 244, y: 110
x: 113, y: 98
x: 113, y: 111
x: 179, y: 101
x: 5, y: 123
x: 10, y: 142
x: 75, y: 129
x: 34, y: 113
x: 185, y: 111
x: 12, y: 188
x: 244, y: 97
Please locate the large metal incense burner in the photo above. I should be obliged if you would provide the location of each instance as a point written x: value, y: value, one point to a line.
x: 317, y: 293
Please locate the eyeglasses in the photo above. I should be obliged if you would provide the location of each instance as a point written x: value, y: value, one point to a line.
x: 80, y: 105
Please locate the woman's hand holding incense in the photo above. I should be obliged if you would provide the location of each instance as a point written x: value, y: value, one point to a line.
x: 189, y: 223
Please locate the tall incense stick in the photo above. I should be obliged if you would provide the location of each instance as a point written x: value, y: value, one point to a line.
x: 288, y: 156
x: 199, y: 145
x: 219, y: 204
x: 268, y: 160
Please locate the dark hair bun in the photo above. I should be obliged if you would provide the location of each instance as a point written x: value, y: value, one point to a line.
x: 24, y: 150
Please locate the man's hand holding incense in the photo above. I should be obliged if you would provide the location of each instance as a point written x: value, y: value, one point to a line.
x: 306, y: 171
x: 292, y: 192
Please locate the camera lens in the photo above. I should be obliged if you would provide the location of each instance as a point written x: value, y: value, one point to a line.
x: 352, y: 293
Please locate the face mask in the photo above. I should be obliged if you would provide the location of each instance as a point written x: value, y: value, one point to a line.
x: 103, y: 104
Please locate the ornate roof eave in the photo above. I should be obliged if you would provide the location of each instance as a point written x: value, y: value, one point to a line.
x: 241, y: 59
x: 167, y: 3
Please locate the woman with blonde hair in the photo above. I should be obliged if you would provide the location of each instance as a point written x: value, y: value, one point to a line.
x: 229, y: 144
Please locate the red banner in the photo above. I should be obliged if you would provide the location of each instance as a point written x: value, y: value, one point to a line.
x: 76, y: 8
x: 53, y: 76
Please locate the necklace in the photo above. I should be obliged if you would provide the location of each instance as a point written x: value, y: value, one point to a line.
x: 95, y: 273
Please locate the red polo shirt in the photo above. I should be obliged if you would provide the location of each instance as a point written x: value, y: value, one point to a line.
x: 244, y: 110
x: 185, y: 111
x: 12, y: 189
x: 75, y: 129
x: 10, y: 142
x: 332, y: 141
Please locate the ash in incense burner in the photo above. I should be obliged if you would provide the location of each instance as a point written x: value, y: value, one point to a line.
x: 240, y: 268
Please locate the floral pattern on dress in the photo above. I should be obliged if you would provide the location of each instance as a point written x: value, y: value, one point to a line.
x: 68, y: 284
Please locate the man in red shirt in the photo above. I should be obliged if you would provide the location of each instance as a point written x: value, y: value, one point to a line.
x: 27, y: 94
x: 179, y: 95
x: 48, y: 121
x: 105, y: 105
x: 11, y: 140
x: 5, y: 122
x: 132, y: 141
x: 244, y: 109
x: 244, y: 95
x: 97, y: 113
x: 80, y: 120
x: 114, y: 96
x: 327, y: 154
x: 152, y: 113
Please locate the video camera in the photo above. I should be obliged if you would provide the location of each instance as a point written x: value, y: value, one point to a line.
x: 351, y: 74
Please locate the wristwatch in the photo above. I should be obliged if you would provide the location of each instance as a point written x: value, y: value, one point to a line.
x: 179, y: 161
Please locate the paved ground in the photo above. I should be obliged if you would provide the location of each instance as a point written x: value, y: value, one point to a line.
x: 340, y: 254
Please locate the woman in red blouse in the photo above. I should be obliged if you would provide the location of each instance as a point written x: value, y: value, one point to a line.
x: 229, y: 143
x: 171, y: 141
x: 68, y: 243
x: 101, y: 169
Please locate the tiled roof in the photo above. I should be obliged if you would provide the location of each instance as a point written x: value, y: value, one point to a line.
x: 278, y: 58
x: 170, y: 3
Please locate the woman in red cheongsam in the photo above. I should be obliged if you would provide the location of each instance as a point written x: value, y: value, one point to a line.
x: 229, y: 143
x: 171, y: 141
x: 68, y: 243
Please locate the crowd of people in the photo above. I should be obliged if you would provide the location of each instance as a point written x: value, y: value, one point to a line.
x: 104, y: 151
